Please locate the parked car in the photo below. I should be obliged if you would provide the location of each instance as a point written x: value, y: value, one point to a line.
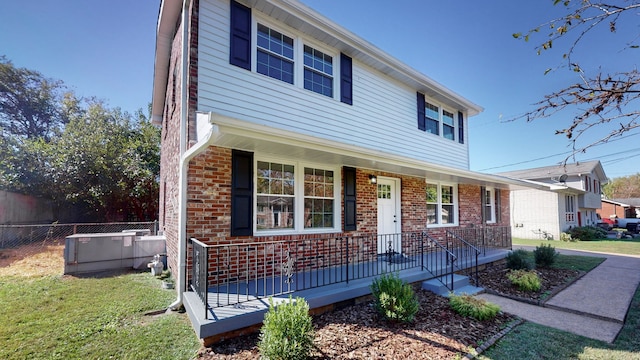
x: 606, y: 224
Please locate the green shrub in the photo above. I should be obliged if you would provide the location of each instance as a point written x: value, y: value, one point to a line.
x: 524, y: 280
x: 545, y: 255
x: 287, y: 331
x: 587, y: 233
x: 567, y: 237
x: 517, y: 260
x: 470, y: 306
x: 394, y: 299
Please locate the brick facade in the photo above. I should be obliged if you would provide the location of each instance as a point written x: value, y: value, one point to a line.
x: 170, y: 150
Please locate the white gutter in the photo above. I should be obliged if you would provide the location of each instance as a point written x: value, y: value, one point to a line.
x: 181, y: 277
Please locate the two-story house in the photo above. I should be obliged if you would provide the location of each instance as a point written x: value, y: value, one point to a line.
x: 571, y: 198
x: 291, y: 146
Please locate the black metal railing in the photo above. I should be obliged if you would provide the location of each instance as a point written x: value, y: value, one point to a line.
x: 439, y: 261
x: 200, y: 271
x: 466, y: 253
x: 232, y: 274
x: 485, y: 237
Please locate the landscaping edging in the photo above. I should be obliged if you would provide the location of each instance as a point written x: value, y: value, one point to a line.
x: 480, y: 349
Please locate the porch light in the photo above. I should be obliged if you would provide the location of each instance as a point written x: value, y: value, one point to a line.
x: 373, y: 179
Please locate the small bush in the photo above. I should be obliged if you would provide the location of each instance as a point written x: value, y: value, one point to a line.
x: 517, y: 260
x: 587, y: 233
x: 545, y: 255
x: 524, y: 280
x: 394, y: 299
x: 287, y: 331
x: 567, y: 237
x: 470, y: 306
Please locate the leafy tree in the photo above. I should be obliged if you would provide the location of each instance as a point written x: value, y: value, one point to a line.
x: 29, y: 103
x: 597, y: 99
x: 109, y: 162
x: 623, y: 187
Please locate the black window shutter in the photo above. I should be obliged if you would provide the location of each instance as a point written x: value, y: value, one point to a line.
x: 346, y: 79
x: 240, y: 36
x: 498, y: 207
x: 483, y: 204
x: 349, y: 198
x: 460, y: 127
x: 241, y: 193
x: 422, y: 123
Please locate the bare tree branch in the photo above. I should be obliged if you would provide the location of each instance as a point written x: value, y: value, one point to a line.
x: 595, y: 100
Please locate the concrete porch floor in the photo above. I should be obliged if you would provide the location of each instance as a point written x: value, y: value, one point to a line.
x: 247, y: 310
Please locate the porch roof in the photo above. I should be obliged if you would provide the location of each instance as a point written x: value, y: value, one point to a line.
x: 218, y: 130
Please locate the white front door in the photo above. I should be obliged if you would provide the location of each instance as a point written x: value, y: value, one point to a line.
x: 388, y: 214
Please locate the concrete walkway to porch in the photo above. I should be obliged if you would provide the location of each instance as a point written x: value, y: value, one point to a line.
x: 595, y: 306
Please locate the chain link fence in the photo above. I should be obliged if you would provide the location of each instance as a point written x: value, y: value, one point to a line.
x: 23, y: 241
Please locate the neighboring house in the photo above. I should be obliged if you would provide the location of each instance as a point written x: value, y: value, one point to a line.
x: 620, y: 208
x: 281, y: 127
x: 571, y: 198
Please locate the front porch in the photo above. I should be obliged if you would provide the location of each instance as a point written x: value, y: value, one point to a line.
x: 236, y: 280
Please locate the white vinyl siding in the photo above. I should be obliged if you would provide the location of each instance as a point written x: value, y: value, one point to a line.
x: 382, y: 117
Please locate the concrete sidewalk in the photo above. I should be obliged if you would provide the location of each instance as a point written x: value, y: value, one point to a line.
x: 595, y: 306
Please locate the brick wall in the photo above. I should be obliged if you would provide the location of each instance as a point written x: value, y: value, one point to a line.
x: 209, y: 220
x: 170, y: 137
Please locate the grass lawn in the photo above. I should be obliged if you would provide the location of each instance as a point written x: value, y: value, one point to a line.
x: 63, y: 317
x: 627, y: 246
x: 533, y: 341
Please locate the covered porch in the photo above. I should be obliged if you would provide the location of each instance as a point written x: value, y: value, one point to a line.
x: 229, y: 285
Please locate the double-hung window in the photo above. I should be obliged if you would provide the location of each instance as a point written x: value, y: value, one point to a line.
x: 280, y: 56
x: 448, y: 126
x: 432, y: 115
x: 489, y: 205
x: 295, y: 197
x: 318, y: 71
x: 275, y: 55
x: 441, y: 122
x: 441, y: 204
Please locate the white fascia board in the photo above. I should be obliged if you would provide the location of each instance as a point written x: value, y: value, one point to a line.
x: 167, y: 18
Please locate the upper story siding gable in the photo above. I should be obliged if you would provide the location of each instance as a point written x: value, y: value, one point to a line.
x: 383, y: 111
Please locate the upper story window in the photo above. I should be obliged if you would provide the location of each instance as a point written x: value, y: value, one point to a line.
x: 280, y: 56
x: 275, y: 55
x: 439, y: 121
x: 432, y: 114
x: 288, y: 198
x: 442, y: 204
x: 448, y: 126
x: 318, y: 71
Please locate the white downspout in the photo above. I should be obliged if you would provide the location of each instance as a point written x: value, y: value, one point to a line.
x: 182, y: 182
x: 181, y: 279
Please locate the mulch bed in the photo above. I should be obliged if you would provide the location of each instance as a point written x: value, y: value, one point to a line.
x: 357, y: 332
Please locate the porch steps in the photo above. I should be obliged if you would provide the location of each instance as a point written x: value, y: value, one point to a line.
x: 461, y: 285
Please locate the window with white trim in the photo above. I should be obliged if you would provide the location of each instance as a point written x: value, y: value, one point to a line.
x: 275, y: 55
x: 448, y: 126
x: 432, y: 115
x: 489, y: 205
x: 282, y: 56
x: 293, y: 197
x: 442, y: 204
x: 439, y: 121
x: 318, y: 71
x: 570, y: 210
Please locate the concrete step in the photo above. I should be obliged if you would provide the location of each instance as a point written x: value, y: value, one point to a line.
x: 461, y: 284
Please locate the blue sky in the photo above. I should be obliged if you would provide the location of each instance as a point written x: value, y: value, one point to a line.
x: 106, y: 49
